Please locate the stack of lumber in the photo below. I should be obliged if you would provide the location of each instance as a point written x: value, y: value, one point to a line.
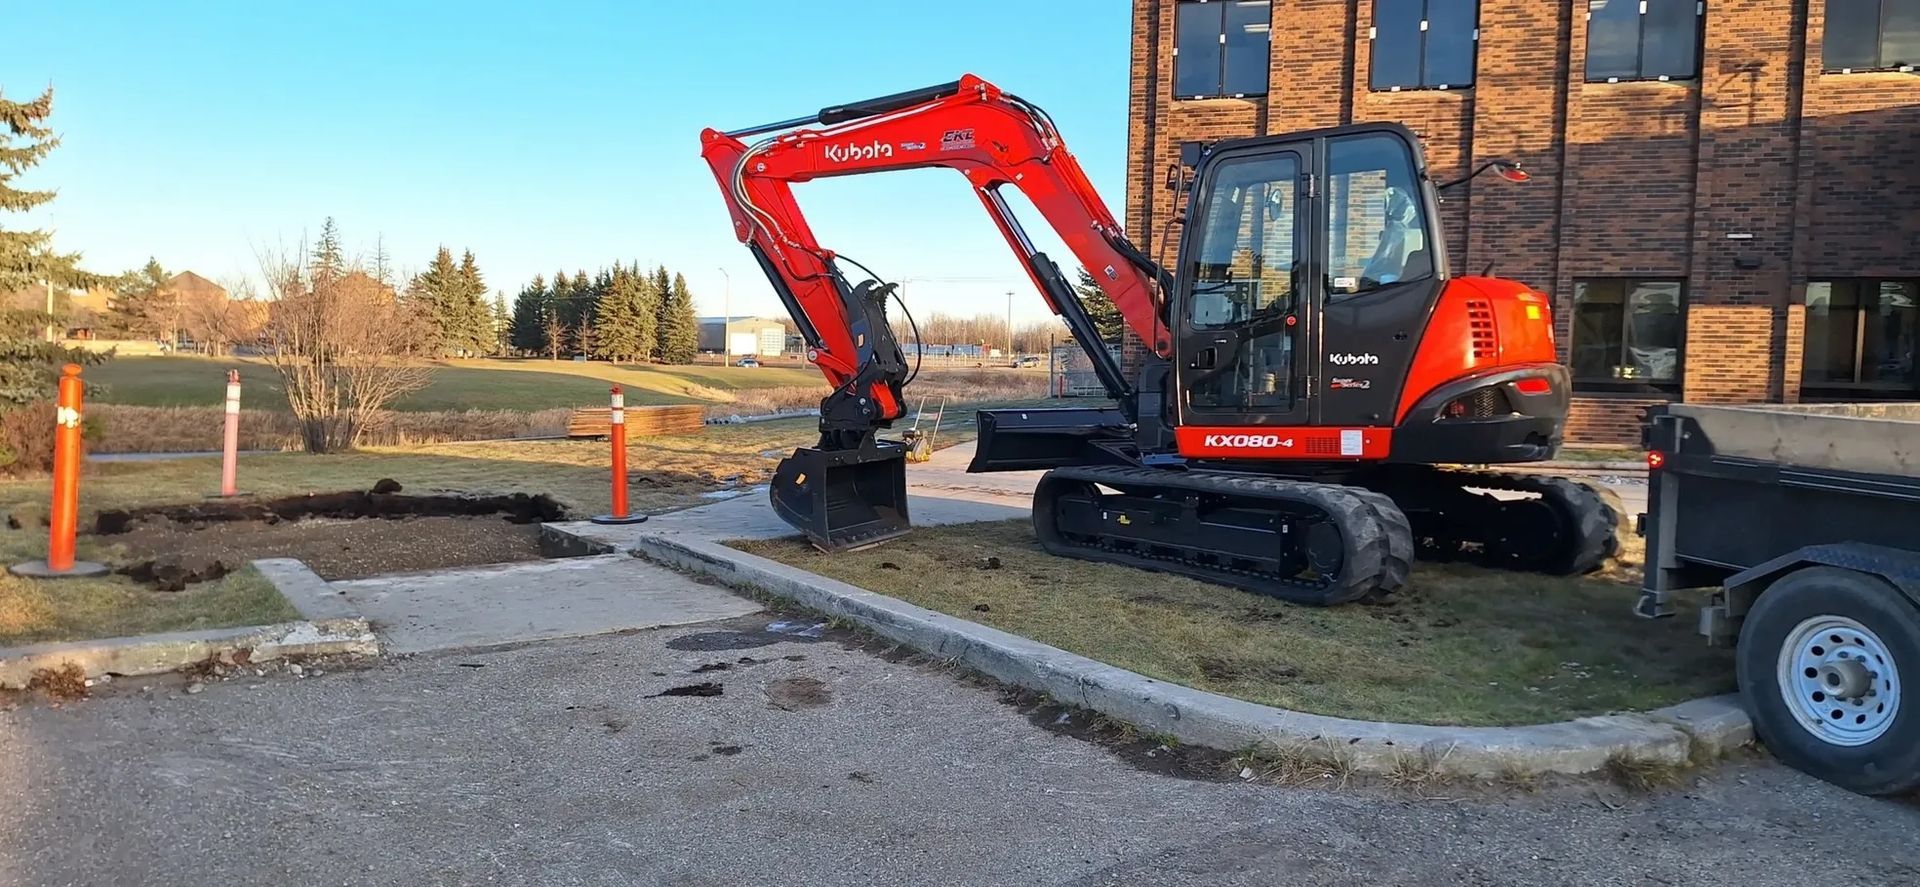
x: 641, y: 421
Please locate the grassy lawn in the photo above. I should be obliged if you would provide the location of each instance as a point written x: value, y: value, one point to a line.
x: 1459, y: 646
x: 457, y: 384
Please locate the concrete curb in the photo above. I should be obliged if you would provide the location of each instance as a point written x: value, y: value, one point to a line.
x: 1207, y: 719
x: 329, y: 626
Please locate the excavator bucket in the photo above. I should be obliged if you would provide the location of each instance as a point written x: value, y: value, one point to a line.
x: 843, y: 499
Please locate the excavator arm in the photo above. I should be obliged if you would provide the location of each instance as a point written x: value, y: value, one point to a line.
x: 996, y: 140
x: 850, y: 490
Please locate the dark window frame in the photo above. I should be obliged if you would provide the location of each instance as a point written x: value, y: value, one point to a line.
x: 1220, y: 79
x: 1426, y: 34
x: 1586, y: 385
x: 1879, y: 45
x: 1640, y: 57
x: 1858, y: 389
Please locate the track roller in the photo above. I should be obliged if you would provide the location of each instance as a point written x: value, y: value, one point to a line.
x: 1304, y: 542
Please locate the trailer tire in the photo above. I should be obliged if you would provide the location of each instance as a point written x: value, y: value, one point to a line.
x: 1788, y: 631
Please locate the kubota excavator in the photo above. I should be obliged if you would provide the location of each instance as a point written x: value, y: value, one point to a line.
x: 1313, y: 362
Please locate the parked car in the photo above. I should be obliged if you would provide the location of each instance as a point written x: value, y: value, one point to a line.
x: 1028, y: 361
x: 748, y: 362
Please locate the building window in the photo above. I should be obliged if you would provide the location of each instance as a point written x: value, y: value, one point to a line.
x: 1627, y: 334
x: 1220, y: 48
x: 1871, y: 35
x: 1860, y: 338
x: 1643, y: 39
x: 1424, y: 44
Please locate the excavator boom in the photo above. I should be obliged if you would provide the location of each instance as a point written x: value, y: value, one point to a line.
x: 844, y: 492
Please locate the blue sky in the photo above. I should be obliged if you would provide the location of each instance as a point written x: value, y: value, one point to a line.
x: 562, y: 137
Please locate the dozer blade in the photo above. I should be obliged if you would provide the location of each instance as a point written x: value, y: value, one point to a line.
x: 843, y: 499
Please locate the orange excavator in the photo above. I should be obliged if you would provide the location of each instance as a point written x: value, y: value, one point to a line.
x: 1314, y: 367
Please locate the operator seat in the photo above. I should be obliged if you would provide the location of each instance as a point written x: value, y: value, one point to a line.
x: 1401, y: 240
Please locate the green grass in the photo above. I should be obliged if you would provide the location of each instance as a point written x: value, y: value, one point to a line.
x: 1458, y: 646
x: 33, y: 612
x: 457, y: 385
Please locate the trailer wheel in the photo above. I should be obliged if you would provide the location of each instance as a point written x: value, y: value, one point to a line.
x: 1821, y: 659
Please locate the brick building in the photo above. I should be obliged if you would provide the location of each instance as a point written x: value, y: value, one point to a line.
x: 1725, y: 200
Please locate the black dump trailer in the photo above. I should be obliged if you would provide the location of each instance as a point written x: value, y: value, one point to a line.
x: 1806, y: 518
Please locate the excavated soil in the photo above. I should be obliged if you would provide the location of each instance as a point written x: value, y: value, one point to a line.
x: 346, y: 535
x: 332, y: 547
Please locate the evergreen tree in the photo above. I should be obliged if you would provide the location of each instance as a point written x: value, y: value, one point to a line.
x: 500, y: 324
x: 329, y: 258
x: 472, y: 319
x: 29, y: 363
x: 680, y: 341
x: 530, y: 311
x: 144, y: 305
x: 382, y: 261
x: 662, y: 287
x: 438, y: 292
x: 584, y: 298
x: 626, y: 318
x: 1106, y: 315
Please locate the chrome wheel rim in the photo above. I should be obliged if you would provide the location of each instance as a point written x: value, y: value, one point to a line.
x: 1839, y: 680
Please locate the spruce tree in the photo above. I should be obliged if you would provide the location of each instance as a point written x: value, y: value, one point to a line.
x: 500, y: 324
x: 30, y: 365
x: 662, y: 286
x: 472, y: 319
x: 680, y: 341
x: 144, y: 305
x: 530, y: 311
x: 1105, y: 315
x: 438, y: 291
x: 625, y: 318
x: 329, y: 261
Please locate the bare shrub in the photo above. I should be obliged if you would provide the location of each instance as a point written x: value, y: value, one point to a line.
x: 345, y: 345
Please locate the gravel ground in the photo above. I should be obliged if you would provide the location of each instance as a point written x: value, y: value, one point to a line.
x: 813, y: 763
x: 344, y: 549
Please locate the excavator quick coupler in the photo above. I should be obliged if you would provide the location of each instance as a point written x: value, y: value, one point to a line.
x: 844, y: 499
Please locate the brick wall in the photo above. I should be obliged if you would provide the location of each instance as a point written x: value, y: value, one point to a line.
x: 1745, y: 182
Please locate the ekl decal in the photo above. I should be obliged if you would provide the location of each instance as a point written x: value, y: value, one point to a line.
x: 956, y: 140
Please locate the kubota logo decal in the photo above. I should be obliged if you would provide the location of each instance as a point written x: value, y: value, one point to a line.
x: 844, y: 153
x: 1250, y: 441
x: 1349, y: 360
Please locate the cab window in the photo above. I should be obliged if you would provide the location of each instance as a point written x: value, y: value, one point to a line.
x: 1377, y: 230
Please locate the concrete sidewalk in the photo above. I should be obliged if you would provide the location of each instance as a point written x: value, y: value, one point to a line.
x: 541, y: 600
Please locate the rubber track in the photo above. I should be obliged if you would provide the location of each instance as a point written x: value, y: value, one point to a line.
x: 1595, y: 521
x: 1378, y: 553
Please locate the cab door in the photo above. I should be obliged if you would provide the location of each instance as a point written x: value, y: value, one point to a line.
x: 1242, y: 334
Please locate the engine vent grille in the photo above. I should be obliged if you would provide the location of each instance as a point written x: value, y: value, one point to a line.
x: 1323, y: 446
x: 1486, y: 345
x: 1485, y: 403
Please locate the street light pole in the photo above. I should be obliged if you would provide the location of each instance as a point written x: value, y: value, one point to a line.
x: 1010, y: 323
x: 726, y: 320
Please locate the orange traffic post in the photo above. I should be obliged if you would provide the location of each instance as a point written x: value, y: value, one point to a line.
x: 617, y: 432
x: 65, y: 513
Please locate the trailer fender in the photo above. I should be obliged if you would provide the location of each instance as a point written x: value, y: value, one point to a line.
x: 1899, y: 567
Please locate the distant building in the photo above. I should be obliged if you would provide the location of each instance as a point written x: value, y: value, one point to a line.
x: 757, y: 336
